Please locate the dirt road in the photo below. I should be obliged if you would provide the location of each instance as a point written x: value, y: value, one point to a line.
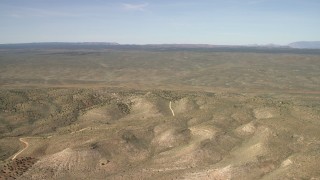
x: 26, y: 145
x: 171, y: 109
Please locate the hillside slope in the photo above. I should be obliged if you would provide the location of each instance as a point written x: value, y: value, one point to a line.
x: 129, y: 134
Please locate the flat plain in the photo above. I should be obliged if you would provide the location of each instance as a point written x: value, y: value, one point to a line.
x: 154, y: 113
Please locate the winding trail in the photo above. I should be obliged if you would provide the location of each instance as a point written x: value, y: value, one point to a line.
x: 26, y: 145
x: 171, y: 109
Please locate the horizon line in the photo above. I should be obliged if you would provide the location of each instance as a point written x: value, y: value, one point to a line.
x: 164, y: 44
x: 116, y: 43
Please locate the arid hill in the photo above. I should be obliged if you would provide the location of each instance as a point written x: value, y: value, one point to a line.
x: 128, y: 114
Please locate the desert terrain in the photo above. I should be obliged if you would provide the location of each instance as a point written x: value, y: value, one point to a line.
x: 159, y: 113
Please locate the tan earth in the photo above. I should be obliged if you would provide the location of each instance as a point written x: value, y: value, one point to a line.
x: 124, y: 114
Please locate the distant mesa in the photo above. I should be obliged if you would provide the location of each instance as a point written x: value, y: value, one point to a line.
x: 100, y: 43
x: 305, y: 45
x: 59, y: 45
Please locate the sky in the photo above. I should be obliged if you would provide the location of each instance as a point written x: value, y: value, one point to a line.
x: 221, y: 22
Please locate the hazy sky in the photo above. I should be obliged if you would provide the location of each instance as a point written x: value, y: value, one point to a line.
x: 160, y: 21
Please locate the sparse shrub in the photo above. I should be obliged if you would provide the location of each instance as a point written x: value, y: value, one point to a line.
x: 124, y: 108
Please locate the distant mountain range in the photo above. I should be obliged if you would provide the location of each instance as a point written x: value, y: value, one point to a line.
x: 305, y: 45
x: 61, y: 45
